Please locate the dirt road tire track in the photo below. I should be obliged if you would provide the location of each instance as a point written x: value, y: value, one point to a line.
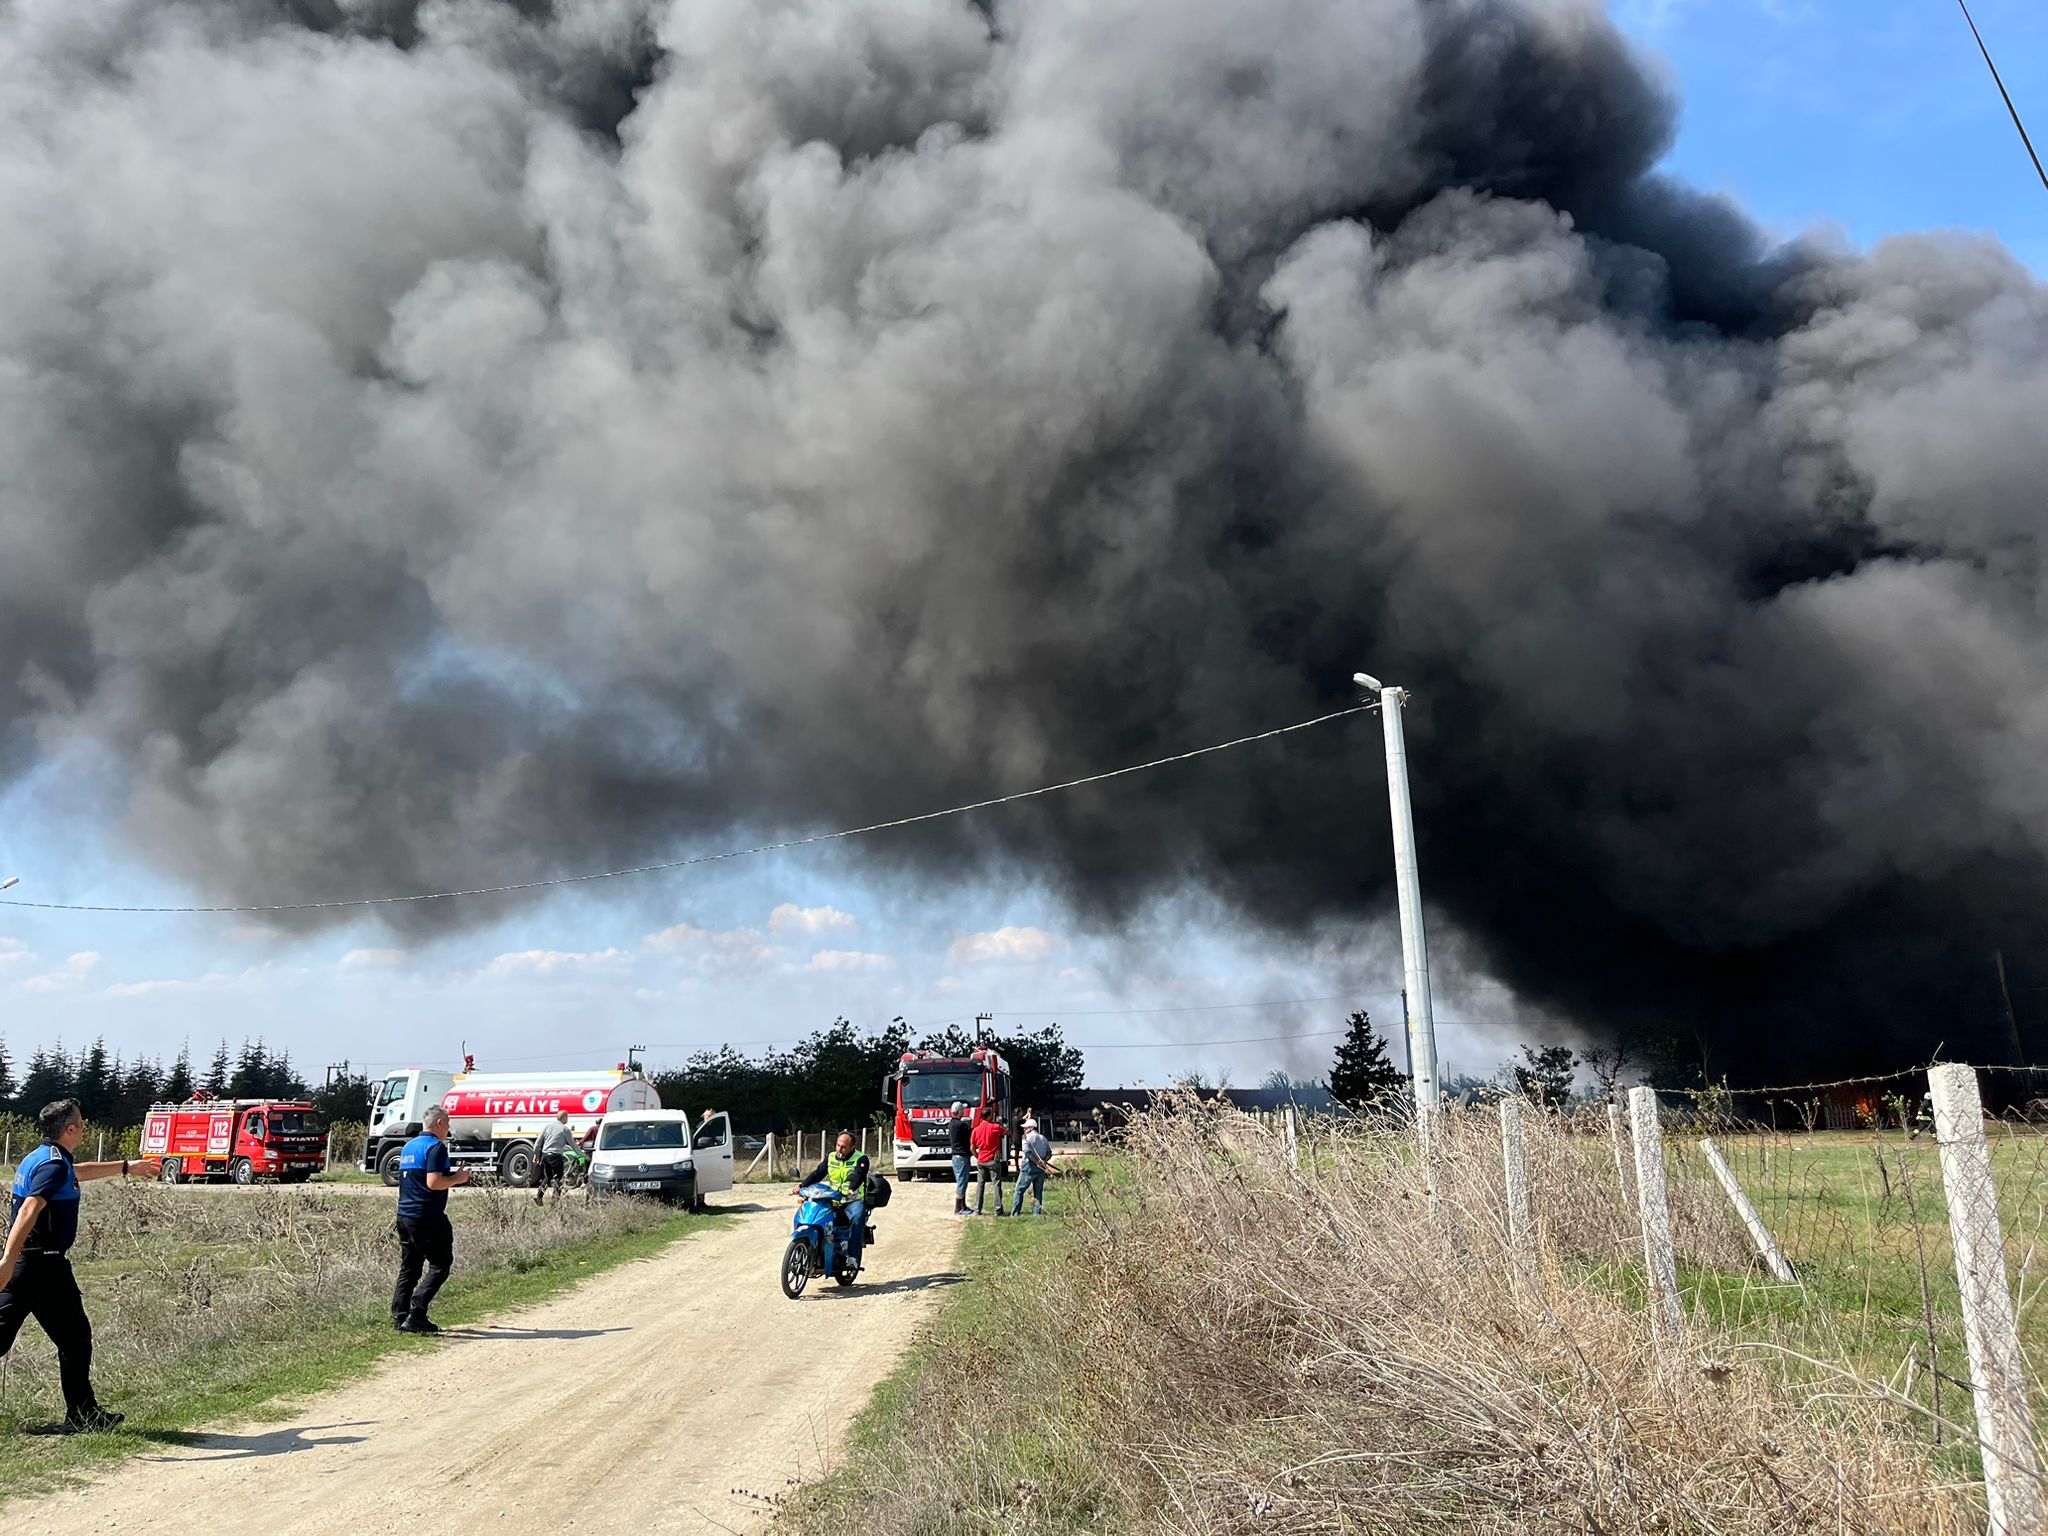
x: 637, y: 1402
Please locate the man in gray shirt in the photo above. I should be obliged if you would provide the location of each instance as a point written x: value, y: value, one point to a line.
x: 550, y: 1157
x: 1034, y: 1162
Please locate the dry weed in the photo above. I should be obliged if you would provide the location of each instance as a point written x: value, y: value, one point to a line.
x: 1235, y: 1344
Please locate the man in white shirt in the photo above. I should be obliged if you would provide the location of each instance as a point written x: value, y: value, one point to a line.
x: 1034, y: 1162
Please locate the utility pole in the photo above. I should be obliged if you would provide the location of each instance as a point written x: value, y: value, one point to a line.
x: 633, y: 1057
x: 1408, y: 897
x: 979, y: 1020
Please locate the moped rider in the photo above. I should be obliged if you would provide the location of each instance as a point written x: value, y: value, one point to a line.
x: 846, y: 1170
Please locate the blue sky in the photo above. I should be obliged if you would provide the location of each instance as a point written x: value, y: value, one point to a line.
x: 1860, y: 119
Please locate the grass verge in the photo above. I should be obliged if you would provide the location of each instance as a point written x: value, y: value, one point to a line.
x: 218, y: 1305
x: 1240, y: 1343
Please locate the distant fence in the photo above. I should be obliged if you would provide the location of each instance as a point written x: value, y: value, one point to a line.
x: 1906, y: 1261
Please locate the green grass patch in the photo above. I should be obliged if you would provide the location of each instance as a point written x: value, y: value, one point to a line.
x: 969, y: 1395
x: 211, y: 1306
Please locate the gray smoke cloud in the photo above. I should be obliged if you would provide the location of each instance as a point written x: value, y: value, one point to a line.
x: 469, y: 440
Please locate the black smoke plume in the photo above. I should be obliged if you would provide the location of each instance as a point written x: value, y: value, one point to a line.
x: 468, y: 440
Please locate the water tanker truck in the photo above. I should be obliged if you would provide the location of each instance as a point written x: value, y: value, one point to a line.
x: 493, y: 1117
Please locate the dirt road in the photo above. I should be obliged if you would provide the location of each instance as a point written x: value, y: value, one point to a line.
x: 672, y: 1394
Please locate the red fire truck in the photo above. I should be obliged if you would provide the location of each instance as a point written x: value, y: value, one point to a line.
x: 240, y: 1139
x: 923, y: 1090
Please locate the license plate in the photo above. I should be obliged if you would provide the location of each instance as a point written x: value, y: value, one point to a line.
x: 644, y: 1184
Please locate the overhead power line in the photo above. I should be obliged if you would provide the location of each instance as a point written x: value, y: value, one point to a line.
x: 705, y: 858
x: 1996, y: 80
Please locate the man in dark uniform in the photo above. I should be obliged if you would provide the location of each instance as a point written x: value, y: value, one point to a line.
x: 35, y: 1276
x: 425, y: 1239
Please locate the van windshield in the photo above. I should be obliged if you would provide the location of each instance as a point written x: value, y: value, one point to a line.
x: 630, y: 1136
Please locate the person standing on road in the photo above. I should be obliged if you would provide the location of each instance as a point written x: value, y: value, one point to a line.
x: 1033, y: 1164
x: 960, y: 1137
x: 989, y: 1161
x: 551, y: 1157
x: 35, y: 1276
x: 425, y: 1238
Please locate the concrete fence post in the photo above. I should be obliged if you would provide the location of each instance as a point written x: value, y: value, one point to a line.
x: 1653, y: 1208
x: 1998, y: 1381
x: 102, y: 1153
x: 1773, y: 1256
x: 1293, y: 1140
x: 1514, y: 1162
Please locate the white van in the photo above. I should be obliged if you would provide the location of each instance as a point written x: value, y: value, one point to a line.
x: 658, y: 1152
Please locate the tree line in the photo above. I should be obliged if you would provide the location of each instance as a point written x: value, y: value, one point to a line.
x: 833, y: 1077
x: 118, y: 1092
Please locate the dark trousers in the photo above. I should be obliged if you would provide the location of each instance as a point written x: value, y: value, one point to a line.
x: 423, y: 1241
x: 548, y: 1171
x: 44, y: 1288
x: 984, y: 1175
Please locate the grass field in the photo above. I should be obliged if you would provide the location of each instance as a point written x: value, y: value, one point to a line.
x: 1234, y: 1343
x: 1863, y: 1218
x: 209, y: 1304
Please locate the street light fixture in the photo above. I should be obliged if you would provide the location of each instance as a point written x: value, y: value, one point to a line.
x: 10, y: 882
x: 1408, y: 897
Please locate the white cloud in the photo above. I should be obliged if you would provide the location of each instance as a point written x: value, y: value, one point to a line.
x: 71, y: 974
x: 717, y: 952
x: 1006, y: 946
x: 946, y: 984
x: 375, y: 959
x: 810, y: 922
x: 263, y: 933
x: 554, y: 962
x: 14, y: 953
x: 850, y: 960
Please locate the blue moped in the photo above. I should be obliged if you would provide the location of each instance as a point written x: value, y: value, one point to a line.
x: 821, y: 1241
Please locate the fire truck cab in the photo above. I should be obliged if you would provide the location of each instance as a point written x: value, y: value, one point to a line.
x: 923, y: 1090
x: 239, y: 1139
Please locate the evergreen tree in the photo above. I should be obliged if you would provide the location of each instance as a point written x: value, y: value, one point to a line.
x: 1544, y: 1076
x: 48, y: 1079
x: 346, y: 1096
x: 141, y: 1085
x: 252, y: 1071
x: 94, y: 1082
x: 218, y: 1074
x: 178, y: 1083
x: 7, y: 1084
x: 1363, y: 1073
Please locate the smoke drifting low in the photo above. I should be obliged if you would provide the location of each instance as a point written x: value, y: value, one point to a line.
x: 472, y: 440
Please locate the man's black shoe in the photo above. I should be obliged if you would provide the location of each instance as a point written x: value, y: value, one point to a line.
x: 398, y: 1323
x: 419, y: 1324
x: 91, y: 1419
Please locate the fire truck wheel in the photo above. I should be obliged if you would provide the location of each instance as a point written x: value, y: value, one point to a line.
x: 516, y: 1166
x: 172, y: 1171
x: 242, y: 1171
x: 387, y: 1168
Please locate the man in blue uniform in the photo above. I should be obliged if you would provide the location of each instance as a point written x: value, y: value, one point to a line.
x: 425, y: 1239
x: 35, y: 1276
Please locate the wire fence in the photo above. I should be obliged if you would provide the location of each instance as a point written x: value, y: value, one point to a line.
x: 1882, y: 1242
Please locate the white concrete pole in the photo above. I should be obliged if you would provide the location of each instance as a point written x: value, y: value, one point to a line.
x: 1774, y: 1257
x: 1408, y: 897
x: 1998, y: 1379
x: 1514, y: 1160
x: 1293, y: 1141
x: 1653, y: 1206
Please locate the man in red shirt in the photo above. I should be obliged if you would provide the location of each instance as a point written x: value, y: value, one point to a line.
x: 989, y: 1161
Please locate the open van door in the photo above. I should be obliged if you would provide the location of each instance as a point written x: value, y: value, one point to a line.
x: 711, y: 1151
